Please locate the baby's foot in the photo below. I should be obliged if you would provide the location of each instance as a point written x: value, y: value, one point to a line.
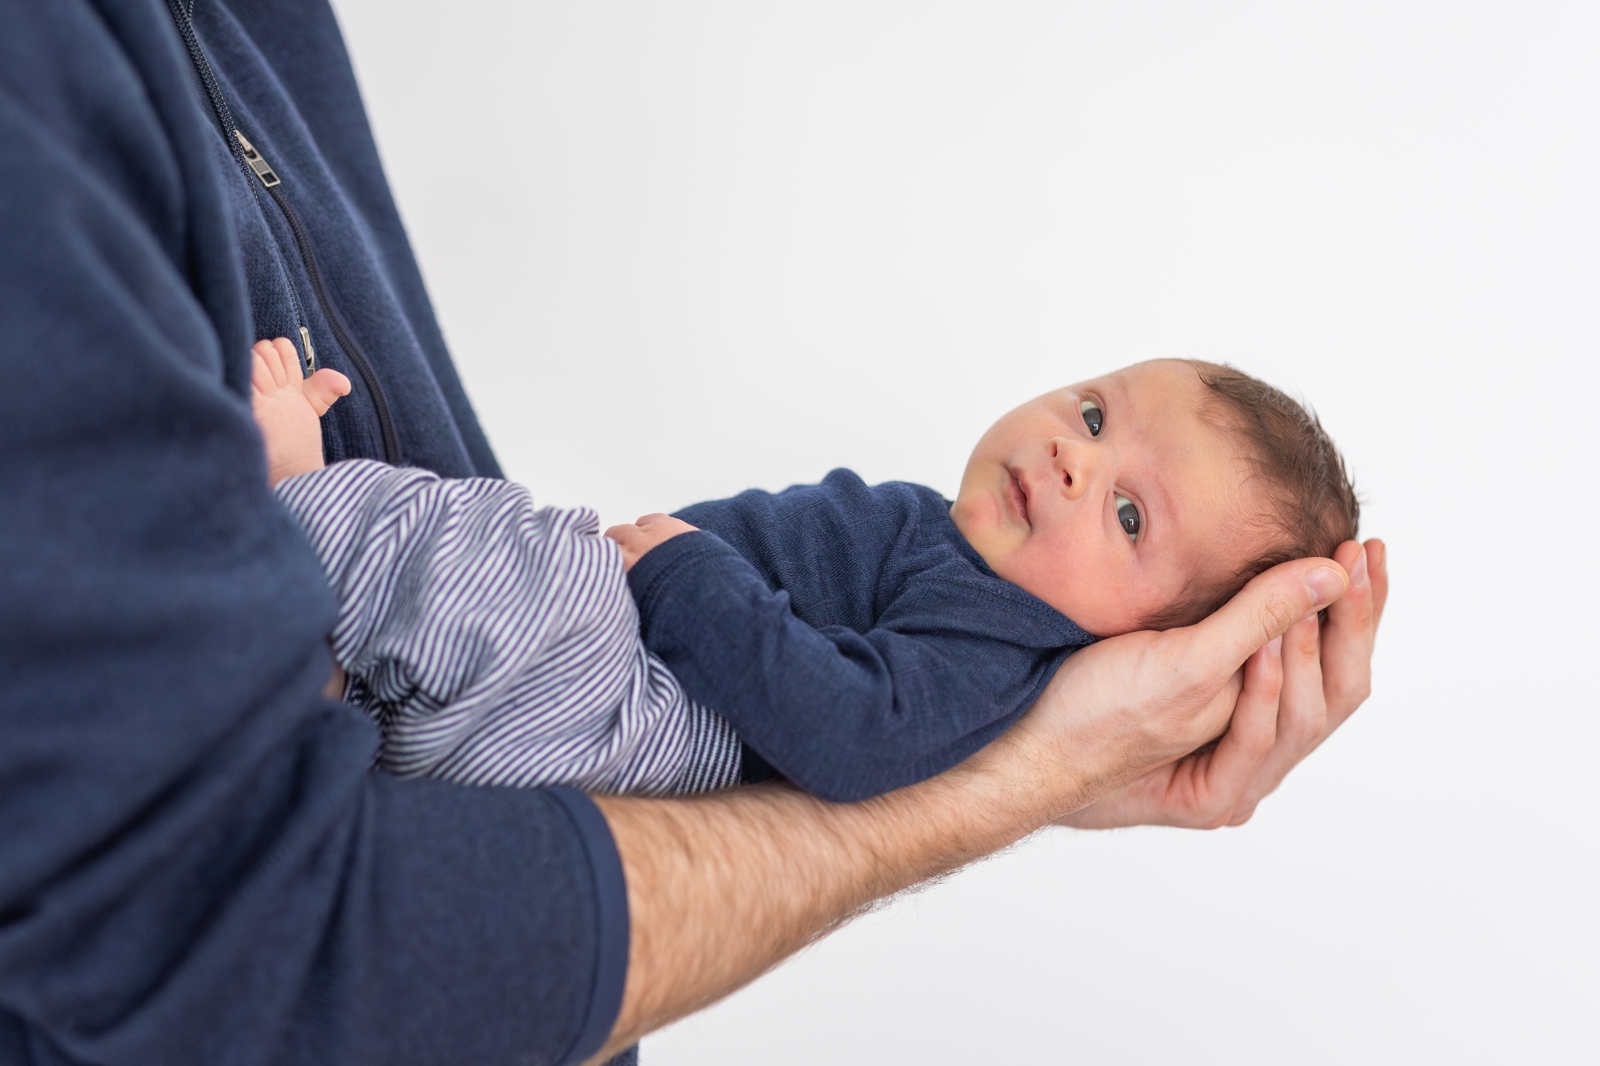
x: 287, y: 407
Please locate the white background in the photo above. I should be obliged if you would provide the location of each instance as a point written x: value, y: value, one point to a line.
x: 685, y: 248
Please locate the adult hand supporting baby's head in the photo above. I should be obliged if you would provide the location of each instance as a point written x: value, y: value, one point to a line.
x: 1294, y: 693
x: 1129, y: 708
x: 1327, y: 670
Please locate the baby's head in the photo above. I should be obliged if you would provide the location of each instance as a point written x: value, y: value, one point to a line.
x: 1145, y: 499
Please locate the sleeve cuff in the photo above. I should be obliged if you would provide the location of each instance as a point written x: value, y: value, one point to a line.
x: 611, y: 907
x: 649, y: 574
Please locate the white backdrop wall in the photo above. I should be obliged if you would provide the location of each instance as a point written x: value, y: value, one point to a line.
x: 683, y: 249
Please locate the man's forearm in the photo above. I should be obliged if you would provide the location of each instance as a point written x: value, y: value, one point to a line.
x: 723, y: 887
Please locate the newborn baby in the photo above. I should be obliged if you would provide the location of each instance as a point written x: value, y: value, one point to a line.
x: 853, y: 638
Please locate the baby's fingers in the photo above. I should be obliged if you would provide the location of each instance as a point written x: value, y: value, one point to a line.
x: 661, y: 527
x: 633, y: 542
x: 651, y: 529
x: 324, y: 387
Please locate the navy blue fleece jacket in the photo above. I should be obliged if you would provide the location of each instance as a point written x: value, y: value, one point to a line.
x: 197, y: 862
x: 849, y: 633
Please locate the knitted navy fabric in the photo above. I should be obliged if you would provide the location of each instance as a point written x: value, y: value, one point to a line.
x: 848, y: 633
x: 198, y: 863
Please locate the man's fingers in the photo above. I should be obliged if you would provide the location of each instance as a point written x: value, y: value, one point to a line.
x: 1355, y: 610
x: 1302, y: 716
x: 1258, y: 703
x: 1348, y: 637
x: 1302, y: 713
x: 1250, y: 736
x: 1265, y: 609
x: 1205, y: 789
x: 1378, y: 574
x: 1243, y: 814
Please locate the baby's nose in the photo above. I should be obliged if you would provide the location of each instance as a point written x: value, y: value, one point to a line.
x: 1074, y: 463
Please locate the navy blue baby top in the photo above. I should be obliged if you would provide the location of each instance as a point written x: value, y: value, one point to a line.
x: 849, y: 632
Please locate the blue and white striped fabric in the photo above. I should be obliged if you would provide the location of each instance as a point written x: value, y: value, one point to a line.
x: 495, y: 642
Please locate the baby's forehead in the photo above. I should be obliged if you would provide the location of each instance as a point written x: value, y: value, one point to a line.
x: 1161, y: 406
x: 1160, y: 382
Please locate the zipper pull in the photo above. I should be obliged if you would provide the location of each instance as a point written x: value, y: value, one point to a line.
x: 310, y: 352
x: 268, y: 176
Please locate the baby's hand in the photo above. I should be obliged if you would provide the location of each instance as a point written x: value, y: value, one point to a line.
x: 645, y: 534
x: 287, y: 407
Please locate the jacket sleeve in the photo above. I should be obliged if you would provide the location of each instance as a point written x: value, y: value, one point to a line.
x: 198, y: 863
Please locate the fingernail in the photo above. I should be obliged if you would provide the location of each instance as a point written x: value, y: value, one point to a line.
x: 1326, y: 585
x: 1275, y: 647
x: 1358, y: 572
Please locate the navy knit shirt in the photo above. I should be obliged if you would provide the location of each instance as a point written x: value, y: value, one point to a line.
x: 849, y: 633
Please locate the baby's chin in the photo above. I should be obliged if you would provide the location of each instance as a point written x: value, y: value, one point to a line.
x: 982, y: 520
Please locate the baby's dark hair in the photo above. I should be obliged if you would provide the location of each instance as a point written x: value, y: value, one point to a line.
x: 1308, y: 503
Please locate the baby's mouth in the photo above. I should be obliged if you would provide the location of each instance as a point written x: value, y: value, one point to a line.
x: 1019, y: 497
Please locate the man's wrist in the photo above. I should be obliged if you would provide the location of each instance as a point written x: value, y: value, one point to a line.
x: 723, y: 886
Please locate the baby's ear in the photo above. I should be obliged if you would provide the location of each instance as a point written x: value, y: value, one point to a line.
x: 324, y: 387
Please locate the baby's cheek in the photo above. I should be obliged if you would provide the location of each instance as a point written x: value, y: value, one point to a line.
x: 1093, y: 592
x: 1102, y: 609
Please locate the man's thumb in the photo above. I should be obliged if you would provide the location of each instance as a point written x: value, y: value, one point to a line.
x: 1272, y: 602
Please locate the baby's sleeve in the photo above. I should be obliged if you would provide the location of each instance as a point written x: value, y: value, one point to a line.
x: 845, y: 715
x: 810, y: 618
x: 495, y: 641
x: 826, y: 545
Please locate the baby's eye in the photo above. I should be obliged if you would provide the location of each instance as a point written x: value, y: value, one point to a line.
x: 1128, y: 516
x: 1092, y: 416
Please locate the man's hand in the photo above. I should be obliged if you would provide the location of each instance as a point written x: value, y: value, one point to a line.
x: 723, y: 886
x: 1295, y: 693
x: 646, y: 533
x: 1129, y: 710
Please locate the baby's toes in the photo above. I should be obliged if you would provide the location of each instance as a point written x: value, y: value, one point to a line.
x: 288, y: 358
x: 324, y: 387
x: 263, y: 363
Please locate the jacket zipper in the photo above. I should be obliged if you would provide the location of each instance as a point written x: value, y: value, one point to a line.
x: 249, y: 159
x: 341, y: 332
x: 207, y: 83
